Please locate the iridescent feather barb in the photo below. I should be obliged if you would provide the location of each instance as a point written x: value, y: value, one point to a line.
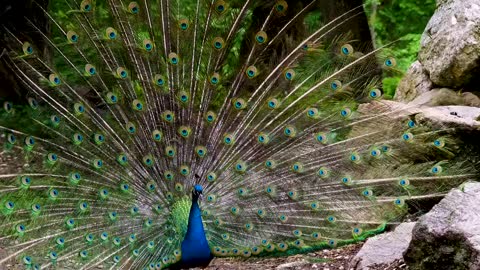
x: 133, y: 104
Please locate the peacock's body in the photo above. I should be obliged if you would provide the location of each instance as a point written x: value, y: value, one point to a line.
x: 136, y: 107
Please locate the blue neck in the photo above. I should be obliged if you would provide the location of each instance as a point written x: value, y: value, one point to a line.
x: 195, y: 226
x: 195, y: 249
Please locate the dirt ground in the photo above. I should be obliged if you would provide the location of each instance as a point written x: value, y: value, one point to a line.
x: 338, y: 259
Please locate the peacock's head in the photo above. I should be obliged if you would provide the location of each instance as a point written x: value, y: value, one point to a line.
x: 196, y: 192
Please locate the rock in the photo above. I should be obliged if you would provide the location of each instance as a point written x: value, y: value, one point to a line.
x: 445, y: 96
x: 449, y: 56
x: 384, y: 248
x: 471, y: 99
x: 450, y: 48
x: 414, y: 83
x: 449, y: 235
x: 439, y: 97
x: 462, y: 117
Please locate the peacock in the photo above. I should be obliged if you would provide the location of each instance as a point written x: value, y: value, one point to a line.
x: 163, y: 133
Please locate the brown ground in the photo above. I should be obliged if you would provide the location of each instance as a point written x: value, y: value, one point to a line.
x: 337, y: 259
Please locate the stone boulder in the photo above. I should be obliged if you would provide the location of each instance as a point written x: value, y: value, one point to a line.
x: 450, y: 45
x: 461, y: 117
x: 449, y: 235
x: 384, y: 248
x: 413, y: 84
x: 445, y: 96
x: 449, y: 56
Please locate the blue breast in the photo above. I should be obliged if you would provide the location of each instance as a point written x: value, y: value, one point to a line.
x: 195, y: 249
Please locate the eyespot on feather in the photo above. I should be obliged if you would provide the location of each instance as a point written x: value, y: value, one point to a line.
x: 110, y: 33
x: 133, y: 8
x: 261, y: 37
x: 251, y: 72
x: 218, y: 43
x: 183, y: 24
x: 121, y: 73
x: 148, y: 45
x: 86, y: 6
x: 173, y: 58
x: 72, y: 37
x: 220, y: 7
x: 280, y: 7
x: 27, y: 48
x: 347, y: 49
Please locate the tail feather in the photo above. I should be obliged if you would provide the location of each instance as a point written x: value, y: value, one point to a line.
x: 134, y: 103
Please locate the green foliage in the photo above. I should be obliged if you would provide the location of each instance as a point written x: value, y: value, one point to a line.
x: 402, y: 20
x: 405, y: 51
x: 394, y: 18
x: 390, y: 85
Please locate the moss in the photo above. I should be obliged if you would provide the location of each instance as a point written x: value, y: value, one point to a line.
x: 452, y: 252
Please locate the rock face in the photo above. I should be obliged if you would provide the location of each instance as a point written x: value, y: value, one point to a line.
x: 462, y: 117
x: 450, y: 52
x: 414, y: 83
x: 449, y: 235
x: 450, y: 44
x: 439, y: 97
x: 384, y: 249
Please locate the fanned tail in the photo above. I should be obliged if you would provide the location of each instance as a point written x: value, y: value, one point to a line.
x: 135, y: 103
